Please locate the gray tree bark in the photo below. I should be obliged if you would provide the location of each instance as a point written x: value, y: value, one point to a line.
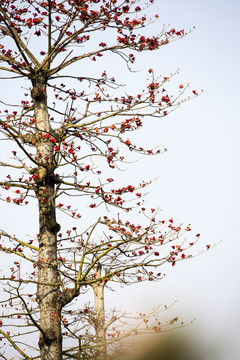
x: 48, y: 293
x: 98, y: 321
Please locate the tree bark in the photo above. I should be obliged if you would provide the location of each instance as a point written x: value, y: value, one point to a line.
x: 99, y: 319
x: 48, y: 292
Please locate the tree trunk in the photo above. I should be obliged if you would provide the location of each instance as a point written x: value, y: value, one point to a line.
x: 48, y: 293
x: 99, y: 318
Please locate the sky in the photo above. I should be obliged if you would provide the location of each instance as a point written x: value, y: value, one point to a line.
x: 199, y: 175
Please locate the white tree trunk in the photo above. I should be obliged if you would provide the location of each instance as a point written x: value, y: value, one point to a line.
x: 48, y: 293
x: 99, y: 319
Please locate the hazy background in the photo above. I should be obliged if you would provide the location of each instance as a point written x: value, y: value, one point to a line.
x: 199, y: 176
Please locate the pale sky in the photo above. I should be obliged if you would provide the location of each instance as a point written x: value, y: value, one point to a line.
x: 199, y: 176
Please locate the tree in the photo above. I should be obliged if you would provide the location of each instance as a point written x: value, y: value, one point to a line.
x: 56, y: 135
